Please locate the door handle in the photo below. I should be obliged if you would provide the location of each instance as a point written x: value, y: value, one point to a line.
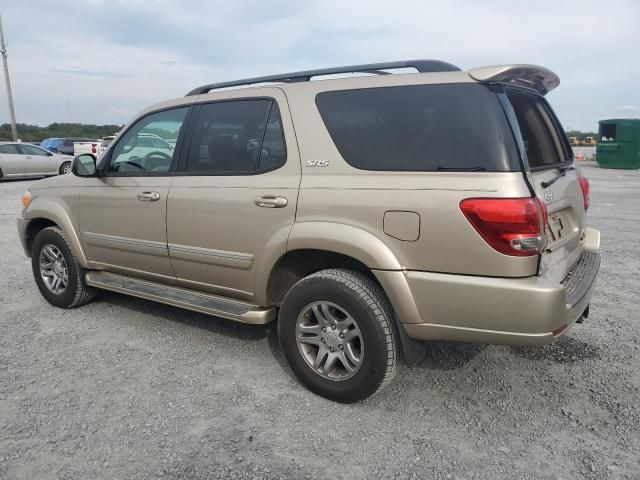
x: 271, y: 201
x: 148, y: 196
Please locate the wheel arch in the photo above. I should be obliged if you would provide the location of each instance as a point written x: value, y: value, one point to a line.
x: 43, y: 213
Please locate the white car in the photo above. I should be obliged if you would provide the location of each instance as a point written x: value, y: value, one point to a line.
x: 91, y: 146
x: 106, y: 141
x: 26, y: 160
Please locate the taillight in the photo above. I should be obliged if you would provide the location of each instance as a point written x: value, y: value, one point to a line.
x: 94, y: 148
x: 513, y: 226
x: 584, y: 184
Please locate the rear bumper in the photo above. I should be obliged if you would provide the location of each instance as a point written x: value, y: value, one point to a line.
x: 513, y: 311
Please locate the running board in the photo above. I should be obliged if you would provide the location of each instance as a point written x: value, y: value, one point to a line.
x: 182, y: 297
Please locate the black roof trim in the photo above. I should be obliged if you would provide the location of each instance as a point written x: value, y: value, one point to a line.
x: 421, y: 66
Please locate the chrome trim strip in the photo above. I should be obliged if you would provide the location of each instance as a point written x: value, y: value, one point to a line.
x: 210, y: 256
x: 134, y: 245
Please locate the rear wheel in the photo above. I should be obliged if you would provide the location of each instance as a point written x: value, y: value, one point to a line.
x: 58, y: 274
x: 335, y: 331
x: 65, y: 168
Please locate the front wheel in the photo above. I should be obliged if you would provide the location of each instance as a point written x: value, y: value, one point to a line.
x: 336, y: 333
x: 59, y: 276
x: 65, y: 168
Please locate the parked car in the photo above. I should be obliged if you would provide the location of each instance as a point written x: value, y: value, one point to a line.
x: 347, y: 209
x: 91, y: 147
x: 104, y: 144
x: 26, y: 160
x: 63, y: 146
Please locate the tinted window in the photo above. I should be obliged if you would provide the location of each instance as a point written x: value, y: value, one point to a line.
x: 8, y: 149
x: 228, y: 137
x: 538, y: 130
x: 274, y: 152
x: 136, y: 153
x: 419, y: 128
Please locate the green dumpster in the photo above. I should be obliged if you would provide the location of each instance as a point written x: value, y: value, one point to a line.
x: 619, y: 143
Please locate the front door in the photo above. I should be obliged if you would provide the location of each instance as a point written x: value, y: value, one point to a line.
x: 122, y: 213
x: 233, y: 202
x: 37, y: 160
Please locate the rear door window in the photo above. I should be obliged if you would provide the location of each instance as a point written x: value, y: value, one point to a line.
x: 9, y: 149
x: 543, y: 139
x: 237, y: 137
x: 420, y: 128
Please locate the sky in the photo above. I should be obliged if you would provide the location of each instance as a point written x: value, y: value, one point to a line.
x: 100, y: 62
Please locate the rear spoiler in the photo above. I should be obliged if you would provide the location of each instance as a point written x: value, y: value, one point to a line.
x: 534, y: 77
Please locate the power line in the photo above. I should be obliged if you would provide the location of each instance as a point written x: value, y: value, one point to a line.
x: 3, y: 50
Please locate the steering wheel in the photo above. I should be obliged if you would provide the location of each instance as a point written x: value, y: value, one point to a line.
x: 133, y: 164
x: 157, y: 153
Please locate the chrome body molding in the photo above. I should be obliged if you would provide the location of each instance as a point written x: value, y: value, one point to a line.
x: 148, y: 247
x: 223, y: 258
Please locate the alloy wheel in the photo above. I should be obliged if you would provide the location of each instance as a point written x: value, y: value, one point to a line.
x: 329, y: 340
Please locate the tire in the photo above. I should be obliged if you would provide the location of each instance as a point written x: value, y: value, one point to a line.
x: 65, y: 168
x: 344, y: 297
x: 75, y: 292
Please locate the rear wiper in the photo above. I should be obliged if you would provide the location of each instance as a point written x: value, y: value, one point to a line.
x: 461, y: 169
x: 562, y: 172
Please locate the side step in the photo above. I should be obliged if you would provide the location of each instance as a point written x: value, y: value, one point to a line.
x: 182, y: 297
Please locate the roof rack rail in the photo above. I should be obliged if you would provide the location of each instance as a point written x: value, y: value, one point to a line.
x: 421, y: 66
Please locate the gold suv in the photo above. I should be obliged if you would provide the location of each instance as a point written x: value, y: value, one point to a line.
x: 362, y: 213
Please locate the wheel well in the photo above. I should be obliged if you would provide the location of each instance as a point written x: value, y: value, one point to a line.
x: 297, y: 264
x: 34, y: 227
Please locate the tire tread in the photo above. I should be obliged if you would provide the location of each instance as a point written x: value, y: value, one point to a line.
x: 371, y: 293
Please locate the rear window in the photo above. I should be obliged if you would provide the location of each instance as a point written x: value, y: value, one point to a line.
x: 542, y: 136
x: 420, y: 128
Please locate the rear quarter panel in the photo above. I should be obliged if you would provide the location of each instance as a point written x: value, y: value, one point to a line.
x: 341, y: 194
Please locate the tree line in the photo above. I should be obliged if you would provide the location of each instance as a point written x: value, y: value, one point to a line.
x: 34, y: 133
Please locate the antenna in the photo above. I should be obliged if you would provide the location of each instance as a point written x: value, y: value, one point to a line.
x: 3, y: 50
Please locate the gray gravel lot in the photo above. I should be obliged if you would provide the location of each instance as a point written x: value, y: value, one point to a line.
x: 125, y: 388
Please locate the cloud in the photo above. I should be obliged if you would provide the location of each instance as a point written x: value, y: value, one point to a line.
x: 89, y: 73
x: 100, y: 61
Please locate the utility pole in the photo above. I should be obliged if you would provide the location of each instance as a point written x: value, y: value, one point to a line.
x: 3, y: 50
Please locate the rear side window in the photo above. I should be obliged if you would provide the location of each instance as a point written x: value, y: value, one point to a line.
x: 420, y: 128
x: 9, y: 149
x: 240, y: 136
x: 543, y: 140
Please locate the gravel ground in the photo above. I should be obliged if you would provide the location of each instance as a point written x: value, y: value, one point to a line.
x: 125, y: 388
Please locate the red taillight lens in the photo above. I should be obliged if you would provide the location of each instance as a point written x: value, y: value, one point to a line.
x: 94, y: 148
x: 513, y: 226
x: 584, y: 184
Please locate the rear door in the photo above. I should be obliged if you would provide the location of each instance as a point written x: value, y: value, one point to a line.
x: 555, y: 180
x: 232, y: 205
x: 11, y: 161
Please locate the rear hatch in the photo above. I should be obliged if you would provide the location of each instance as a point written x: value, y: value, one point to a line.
x: 555, y: 180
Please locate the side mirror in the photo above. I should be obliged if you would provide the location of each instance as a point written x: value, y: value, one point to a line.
x: 84, y: 166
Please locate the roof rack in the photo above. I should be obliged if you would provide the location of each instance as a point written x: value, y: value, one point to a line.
x: 421, y: 66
